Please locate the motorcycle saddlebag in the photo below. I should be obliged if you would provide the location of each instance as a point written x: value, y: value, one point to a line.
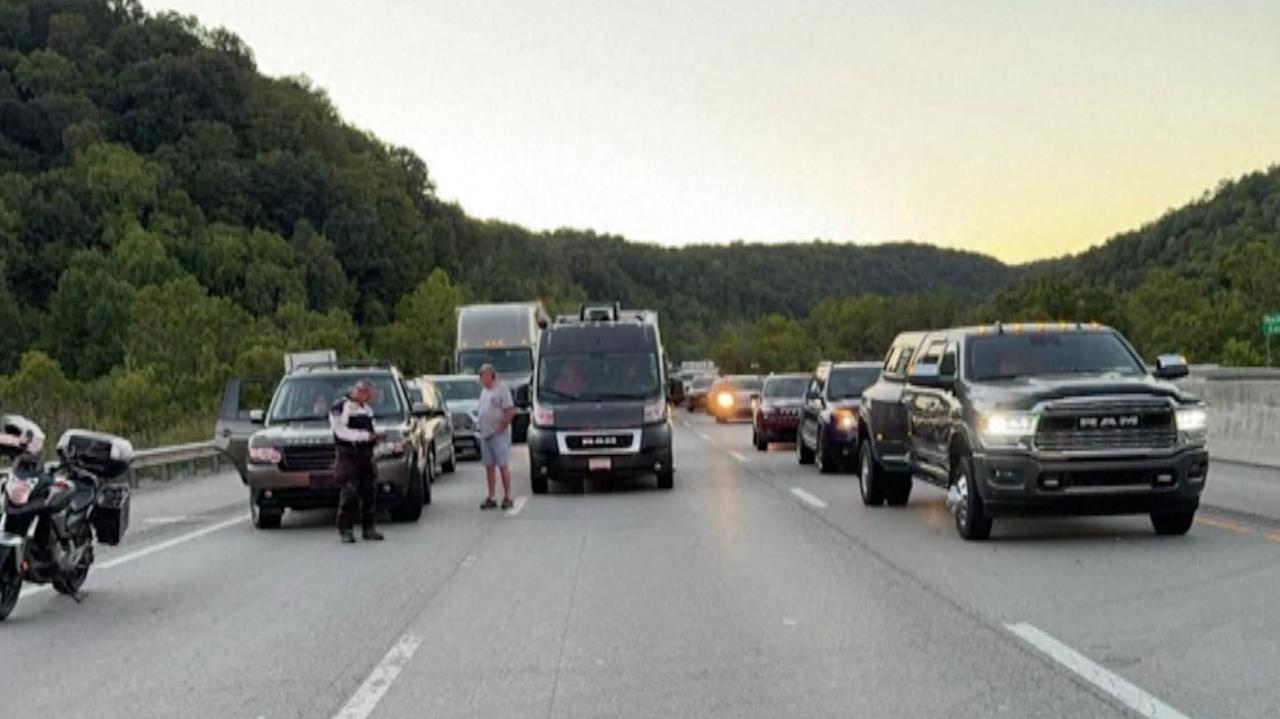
x: 111, y: 515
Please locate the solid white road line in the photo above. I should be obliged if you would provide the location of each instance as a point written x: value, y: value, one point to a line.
x: 518, y: 504
x: 366, y: 698
x: 808, y: 499
x: 170, y: 543
x: 739, y: 456
x: 1131, y: 696
x: 31, y: 591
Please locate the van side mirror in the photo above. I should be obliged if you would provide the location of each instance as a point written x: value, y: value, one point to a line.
x: 1171, y: 366
x: 257, y: 416
x: 522, y: 399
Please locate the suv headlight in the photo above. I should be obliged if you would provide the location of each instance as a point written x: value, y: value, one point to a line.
x: 844, y: 420
x: 1193, y: 423
x: 655, y: 411
x: 389, y: 450
x: 1008, y: 429
x: 264, y: 455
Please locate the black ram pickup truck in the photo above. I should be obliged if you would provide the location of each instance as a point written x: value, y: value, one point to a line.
x: 1053, y: 419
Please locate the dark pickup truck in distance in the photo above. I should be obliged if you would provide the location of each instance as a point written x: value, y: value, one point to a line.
x: 1053, y: 419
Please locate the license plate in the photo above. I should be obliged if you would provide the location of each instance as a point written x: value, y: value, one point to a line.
x: 599, y: 464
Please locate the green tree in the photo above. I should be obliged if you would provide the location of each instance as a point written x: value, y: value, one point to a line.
x: 45, y: 71
x: 425, y: 325
x: 116, y: 180
x: 88, y: 316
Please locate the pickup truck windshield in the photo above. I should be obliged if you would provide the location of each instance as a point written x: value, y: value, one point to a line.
x: 517, y: 361
x: 308, y: 398
x: 598, y: 376
x: 1009, y: 356
x: 849, y: 382
x: 786, y: 387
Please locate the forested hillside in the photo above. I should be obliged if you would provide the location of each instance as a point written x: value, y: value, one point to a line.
x: 170, y: 217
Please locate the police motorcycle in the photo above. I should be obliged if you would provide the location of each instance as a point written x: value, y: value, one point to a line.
x: 50, y: 514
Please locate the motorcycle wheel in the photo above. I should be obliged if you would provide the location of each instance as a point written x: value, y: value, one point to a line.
x: 71, y: 583
x: 10, y: 586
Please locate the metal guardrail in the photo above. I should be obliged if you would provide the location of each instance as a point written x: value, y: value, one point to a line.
x: 165, y: 460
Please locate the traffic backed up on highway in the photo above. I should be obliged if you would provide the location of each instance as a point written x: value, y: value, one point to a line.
x: 1028, y: 420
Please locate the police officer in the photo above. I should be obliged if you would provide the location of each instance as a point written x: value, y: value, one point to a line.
x: 352, y: 421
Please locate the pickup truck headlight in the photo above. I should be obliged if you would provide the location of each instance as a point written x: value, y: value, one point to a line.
x: 1007, y: 428
x: 1193, y: 423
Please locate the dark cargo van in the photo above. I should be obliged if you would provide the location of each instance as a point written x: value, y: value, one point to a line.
x: 599, y: 405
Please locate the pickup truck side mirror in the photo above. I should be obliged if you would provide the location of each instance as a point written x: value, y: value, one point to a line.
x: 257, y: 416
x: 1171, y: 366
x: 929, y: 375
x: 522, y: 399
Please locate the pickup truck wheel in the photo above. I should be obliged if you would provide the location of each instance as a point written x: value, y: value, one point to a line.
x: 972, y: 521
x: 666, y: 479
x: 804, y: 455
x: 897, y: 488
x: 1173, y: 523
x: 870, y: 477
x: 264, y: 518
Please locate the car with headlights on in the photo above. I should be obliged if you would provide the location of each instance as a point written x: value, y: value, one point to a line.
x: 1053, y: 419
x: 286, y: 456
x: 828, y: 431
x: 775, y: 414
x: 730, y: 397
x: 461, y: 393
x: 695, y: 392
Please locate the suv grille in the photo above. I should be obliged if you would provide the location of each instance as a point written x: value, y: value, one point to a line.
x: 1107, y: 427
x: 308, y: 458
x: 461, y: 420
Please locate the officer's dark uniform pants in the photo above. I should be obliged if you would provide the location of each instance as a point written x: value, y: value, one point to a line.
x: 358, y: 477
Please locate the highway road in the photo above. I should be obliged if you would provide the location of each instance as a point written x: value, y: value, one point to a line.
x: 756, y: 588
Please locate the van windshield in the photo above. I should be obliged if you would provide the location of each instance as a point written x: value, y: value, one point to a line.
x: 513, y: 361
x: 598, y: 376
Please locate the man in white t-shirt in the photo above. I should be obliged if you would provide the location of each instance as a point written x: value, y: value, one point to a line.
x: 497, y: 410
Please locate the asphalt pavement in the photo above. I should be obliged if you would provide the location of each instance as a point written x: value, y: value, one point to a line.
x: 755, y: 588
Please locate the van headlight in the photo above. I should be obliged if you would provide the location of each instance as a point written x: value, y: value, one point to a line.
x: 1193, y: 423
x: 1008, y: 429
x: 389, y: 450
x: 655, y: 411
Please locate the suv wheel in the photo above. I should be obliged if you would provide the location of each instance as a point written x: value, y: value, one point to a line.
x: 431, y: 479
x: 452, y: 465
x: 870, y: 478
x: 825, y: 464
x: 762, y: 444
x: 410, y: 508
x: 666, y: 479
x: 972, y: 521
x: 264, y: 518
x: 804, y: 455
x: 1173, y: 523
